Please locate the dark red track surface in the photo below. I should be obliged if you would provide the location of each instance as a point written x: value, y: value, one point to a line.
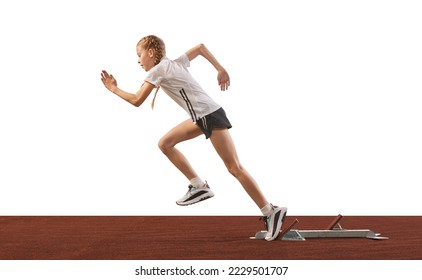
x: 199, y: 237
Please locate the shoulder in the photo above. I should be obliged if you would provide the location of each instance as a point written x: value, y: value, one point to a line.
x: 157, y: 73
x: 160, y: 67
x: 183, y: 59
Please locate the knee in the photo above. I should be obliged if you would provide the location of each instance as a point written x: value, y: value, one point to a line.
x: 235, y: 169
x: 164, y: 145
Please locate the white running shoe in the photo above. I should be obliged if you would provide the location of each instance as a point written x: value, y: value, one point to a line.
x: 195, y: 195
x: 274, y: 221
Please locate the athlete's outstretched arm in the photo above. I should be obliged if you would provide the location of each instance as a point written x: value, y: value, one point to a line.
x: 135, y: 99
x: 222, y: 77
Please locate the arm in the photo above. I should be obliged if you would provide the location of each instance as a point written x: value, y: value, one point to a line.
x: 222, y: 77
x: 135, y: 99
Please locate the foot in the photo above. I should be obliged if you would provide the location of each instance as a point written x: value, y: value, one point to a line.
x: 274, y: 221
x: 195, y: 195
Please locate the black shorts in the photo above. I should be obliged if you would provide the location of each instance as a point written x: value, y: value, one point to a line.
x: 217, y: 119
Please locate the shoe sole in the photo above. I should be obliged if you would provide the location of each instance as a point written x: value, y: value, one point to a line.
x: 283, y: 212
x: 194, y: 202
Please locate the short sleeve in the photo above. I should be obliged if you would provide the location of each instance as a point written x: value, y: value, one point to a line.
x: 155, y: 76
x: 183, y: 60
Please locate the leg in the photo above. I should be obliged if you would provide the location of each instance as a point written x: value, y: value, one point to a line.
x: 182, y: 132
x: 225, y: 148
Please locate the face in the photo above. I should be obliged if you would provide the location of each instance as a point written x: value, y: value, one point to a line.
x: 146, y: 58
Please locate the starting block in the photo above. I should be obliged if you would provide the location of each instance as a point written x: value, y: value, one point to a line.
x: 333, y: 230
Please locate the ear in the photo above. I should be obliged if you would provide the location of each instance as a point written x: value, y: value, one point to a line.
x: 151, y: 53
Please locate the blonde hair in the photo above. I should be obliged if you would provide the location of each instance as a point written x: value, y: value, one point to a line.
x: 153, y: 42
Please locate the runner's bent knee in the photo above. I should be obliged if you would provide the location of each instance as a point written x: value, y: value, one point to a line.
x: 234, y: 168
x: 166, y: 143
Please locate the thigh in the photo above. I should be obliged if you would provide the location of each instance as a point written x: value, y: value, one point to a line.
x: 182, y: 132
x: 224, y: 145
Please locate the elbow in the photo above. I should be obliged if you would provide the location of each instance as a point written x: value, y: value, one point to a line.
x: 138, y: 102
x: 138, y: 99
x: 134, y: 101
x: 201, y: 47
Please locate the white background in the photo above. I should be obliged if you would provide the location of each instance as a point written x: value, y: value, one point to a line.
x: 325, y: 104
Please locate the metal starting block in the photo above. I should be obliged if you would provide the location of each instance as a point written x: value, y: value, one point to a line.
x: 333, y: 230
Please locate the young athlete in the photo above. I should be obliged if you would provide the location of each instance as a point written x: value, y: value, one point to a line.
x: 206, y: 117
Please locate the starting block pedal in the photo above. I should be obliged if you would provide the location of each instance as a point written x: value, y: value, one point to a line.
x: 333, y: 230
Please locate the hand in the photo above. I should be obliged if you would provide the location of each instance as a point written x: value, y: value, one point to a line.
x: 223, y: 79
x: 109, y: 81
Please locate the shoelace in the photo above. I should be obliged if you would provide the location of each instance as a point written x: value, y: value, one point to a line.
x: 190, y: 188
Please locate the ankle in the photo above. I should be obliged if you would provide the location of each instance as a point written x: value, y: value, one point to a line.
x: 267, y: 209
x: 197, y: 182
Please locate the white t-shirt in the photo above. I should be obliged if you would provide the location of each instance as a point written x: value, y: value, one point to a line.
x: 175, y: 80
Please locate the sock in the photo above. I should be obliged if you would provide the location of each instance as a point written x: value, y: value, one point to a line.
x: 197, y: 182
x: 267, y: 209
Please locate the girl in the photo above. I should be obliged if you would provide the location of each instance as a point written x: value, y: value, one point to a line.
x: 206, y: 117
